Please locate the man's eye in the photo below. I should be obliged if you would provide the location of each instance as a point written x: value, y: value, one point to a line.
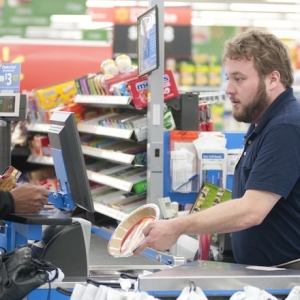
x: 238, y: 79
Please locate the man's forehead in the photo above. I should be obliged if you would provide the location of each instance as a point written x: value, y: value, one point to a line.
x: 238, y: 66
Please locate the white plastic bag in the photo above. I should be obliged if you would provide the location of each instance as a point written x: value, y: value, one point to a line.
x: 294, y: 294
x: 252, y: 293
x: 192, y: 293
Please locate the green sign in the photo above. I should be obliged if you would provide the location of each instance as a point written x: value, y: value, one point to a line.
x: 38, y: 12
x: 95, y: 35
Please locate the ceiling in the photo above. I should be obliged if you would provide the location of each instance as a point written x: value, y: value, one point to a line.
x: 280, y: 17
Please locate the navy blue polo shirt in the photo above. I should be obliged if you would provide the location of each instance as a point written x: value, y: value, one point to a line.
x: 270, y: 161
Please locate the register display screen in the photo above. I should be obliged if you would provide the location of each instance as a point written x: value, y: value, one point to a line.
x: 7, y: 103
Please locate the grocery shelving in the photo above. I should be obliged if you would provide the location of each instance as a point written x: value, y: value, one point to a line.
x: 124, y: 151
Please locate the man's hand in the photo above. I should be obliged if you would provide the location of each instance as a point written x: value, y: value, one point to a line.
x: 160, y: 235
x: 30, y: 199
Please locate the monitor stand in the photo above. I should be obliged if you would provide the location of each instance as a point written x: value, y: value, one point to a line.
x: 24, y: 227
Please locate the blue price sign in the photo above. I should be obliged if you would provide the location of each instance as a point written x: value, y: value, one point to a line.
x: 10, y: 77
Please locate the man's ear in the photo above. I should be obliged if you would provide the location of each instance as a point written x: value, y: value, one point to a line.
x: 274, y: 78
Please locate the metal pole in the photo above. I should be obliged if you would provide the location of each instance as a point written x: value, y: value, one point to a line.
x: 155, y: 117
x: 5, y: 144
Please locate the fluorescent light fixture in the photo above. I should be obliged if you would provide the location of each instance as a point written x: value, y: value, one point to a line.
x: 143, y: 3
x: 284, y: 24
x: 70, y: 18
x: 169, y: 3
x: 237, y: 15
x: 209, y: 6
x: 98, y: 3
x: 287, y: 1
x: 294, y: 17
x: 264, y: 7
x: 219, y: 22
x: 286, y: 34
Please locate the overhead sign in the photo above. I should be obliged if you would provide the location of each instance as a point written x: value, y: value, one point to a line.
x: 128, y: 15
x: 46, y: 62
x: 10, y: 77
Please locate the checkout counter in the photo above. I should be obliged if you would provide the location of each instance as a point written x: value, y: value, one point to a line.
x: 170, y: 273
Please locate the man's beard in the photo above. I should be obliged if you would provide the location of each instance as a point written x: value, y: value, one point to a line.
x: 253, y: 110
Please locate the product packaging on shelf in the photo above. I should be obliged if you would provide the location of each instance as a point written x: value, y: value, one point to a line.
x: 56, y: 95
x: 138, y: 89
x: 111, y: 84
x: 41, y: 145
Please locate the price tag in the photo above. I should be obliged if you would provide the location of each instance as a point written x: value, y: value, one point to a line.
x: 10, y: 77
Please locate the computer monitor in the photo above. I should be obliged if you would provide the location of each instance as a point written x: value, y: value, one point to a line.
x: 148, y: 46
x: 69, y: 164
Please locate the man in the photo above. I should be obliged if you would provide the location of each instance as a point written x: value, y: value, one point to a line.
x: 264, y: 215
x: 27, y: 199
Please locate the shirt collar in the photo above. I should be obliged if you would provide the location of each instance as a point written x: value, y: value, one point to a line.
x: 272, y: 110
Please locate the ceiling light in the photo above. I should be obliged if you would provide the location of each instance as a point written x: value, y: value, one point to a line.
x: 286, y: 1
x: 278, y: 24
x: 169, y: 3
x: 264, y: 7
x: 238, y: 15
x: 294, y: 17
x: 219, y: 22
x: 97, y: 3
x: 286, y: 34
x: 209, y: 6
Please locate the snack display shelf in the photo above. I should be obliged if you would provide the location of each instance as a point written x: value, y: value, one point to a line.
x: 110, y: 212
x: 38, y: 127
x: 115, y: 156
x: 92, y: 127
x: 120, y: 184
x: 104, y: 101
x: 43, y: 160
x: 186, y: 88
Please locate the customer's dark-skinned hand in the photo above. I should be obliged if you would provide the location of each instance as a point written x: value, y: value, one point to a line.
x: 30, y: 199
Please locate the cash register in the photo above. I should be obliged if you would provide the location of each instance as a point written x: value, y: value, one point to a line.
x: 60, y: 238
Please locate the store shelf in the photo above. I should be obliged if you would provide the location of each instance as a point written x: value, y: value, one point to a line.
x: 104, y: 101
x: 136, y: 185
x: 197, y: 89
x: 43, y: 160
x: 38, y: 127
x: 92, y: 127
x: 114, y: 156
x: 117, y: 199
x: 110, y: 212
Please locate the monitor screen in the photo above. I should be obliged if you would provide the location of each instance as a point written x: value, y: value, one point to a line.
x: 147, y: 30
x: 9, y: 105
x: 68, y: 159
